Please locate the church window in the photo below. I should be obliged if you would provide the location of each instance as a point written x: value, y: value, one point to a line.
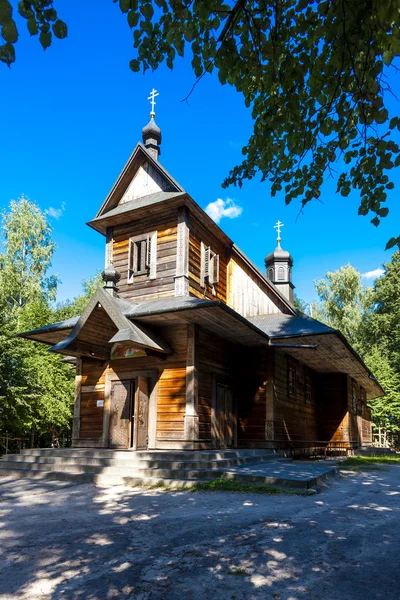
x: 308, y: 389
x: 209, y: 266
x: 142, y: 256
x: 292, y: 381
x: 281, y: 274
x: 271, y: 274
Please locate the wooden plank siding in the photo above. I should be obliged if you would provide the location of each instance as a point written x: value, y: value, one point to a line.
x: 171, y: 386
x: 295, y: 418
x: 197, y: 234
x: 247, y: 293
x: 215, y: 358
x: 143, y: 288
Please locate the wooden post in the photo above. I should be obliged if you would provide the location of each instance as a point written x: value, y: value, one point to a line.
x: 269, y: 396
x: 182, y: 254
x: 76, y: 425
x: 191, y: 416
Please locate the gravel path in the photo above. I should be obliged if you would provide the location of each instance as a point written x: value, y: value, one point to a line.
x: 59, y: 540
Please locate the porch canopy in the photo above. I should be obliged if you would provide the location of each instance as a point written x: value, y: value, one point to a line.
x: 108, y: 319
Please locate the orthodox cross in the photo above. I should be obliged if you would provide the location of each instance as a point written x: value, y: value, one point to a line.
x: 153, y: 95
x: 278, y: 229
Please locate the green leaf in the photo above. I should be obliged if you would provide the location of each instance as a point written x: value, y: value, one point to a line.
x: 9, y: 32
x: 60, y: 29
x: 133, y: 18
x: 6, y: 11
x: 392, y: 242
x: 393, y: 122
x: 382, y: 116
x: 375, y: 221
x: 32, y: 26
x: 124, y: 5
x: 147, y: 10
x: 7, y: 53
x: 50, y: 14
x: 390, y: 185
x: 134, y: 65
x: 45, y: 39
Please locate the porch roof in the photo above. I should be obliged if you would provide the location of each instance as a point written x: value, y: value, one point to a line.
x: 135, y: 322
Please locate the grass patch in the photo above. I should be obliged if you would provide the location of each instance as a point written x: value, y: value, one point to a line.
x: 233, y: 485
x: 370, y: 462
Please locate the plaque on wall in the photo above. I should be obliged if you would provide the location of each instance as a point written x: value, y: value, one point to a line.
x: 120, y: 350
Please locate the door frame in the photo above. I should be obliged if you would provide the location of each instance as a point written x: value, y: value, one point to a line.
x: 216, y: 441
x: 131, y: 386
x: 152, y: 376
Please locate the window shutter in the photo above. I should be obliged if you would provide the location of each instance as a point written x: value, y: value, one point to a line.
x: 207, y: 253
x: 132, y: 259
x: 152, y: 255
x: 202, y: 263
x: 148, y: 252
x: 214, y: 269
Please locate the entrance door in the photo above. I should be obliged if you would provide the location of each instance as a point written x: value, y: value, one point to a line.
x: 142, y: 413
x: 225, y: 417
x: 121, y: 414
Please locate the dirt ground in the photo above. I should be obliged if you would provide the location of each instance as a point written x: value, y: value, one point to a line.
x: 59, y: 540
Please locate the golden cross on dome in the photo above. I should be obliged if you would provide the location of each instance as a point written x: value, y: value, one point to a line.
x: 278, y: 229
x: 153, y: 95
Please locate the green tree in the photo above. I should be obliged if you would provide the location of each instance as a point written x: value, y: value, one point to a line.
x: 344, y: 303
x: 36, y: 388
x: 77, y: 305
x: 383, y: 324
x: 386, y: 409
x: 314, y: 75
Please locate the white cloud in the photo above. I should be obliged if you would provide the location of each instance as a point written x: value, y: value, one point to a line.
x: 373, y: 274
x: 56, y: 213
x: 223, y: 208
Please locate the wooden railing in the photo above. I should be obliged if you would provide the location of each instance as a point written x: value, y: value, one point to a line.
x: 315, y: 448
x: 17, y: 443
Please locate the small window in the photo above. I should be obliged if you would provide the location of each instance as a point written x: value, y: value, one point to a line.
x: 308, y: 389
x: 292, y: 381
x: 142, y: 256
x: 363, y: 400
x: 271, y: 274
x: 281, y: 274
x: 209, y: 266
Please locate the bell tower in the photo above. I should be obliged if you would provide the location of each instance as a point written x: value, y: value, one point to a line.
x: 279, y: 267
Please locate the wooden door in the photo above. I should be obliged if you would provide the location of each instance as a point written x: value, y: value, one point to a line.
x: 225, y: 417
x: 120, y: 415
x: 142, y: 413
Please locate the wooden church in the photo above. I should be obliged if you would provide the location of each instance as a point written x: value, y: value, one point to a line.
x: 190, y: 346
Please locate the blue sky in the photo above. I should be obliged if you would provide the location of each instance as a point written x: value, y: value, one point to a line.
x: 73, y: 114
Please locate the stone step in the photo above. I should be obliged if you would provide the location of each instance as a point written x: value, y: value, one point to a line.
x: 26, y: 460
x: 146, y: 454
x: 119, y: 471
x: 153, y: 480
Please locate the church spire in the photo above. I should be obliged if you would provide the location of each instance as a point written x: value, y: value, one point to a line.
x: 279, y: 267
x: 151, y: 133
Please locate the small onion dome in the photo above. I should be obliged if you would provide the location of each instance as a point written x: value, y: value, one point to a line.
x: 151, y: 131
x: 278, y: 255
x: 111, y: 275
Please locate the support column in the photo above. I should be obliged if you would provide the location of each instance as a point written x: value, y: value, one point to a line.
x: 270, y: 397
x: 182, y: 254
x: 76, y: 424
x: 191, y: 415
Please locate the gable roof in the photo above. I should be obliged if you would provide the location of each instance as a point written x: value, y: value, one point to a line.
x: 126, y: 330
x: 138, y: 157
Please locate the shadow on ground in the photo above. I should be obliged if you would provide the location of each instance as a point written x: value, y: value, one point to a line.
x: 59, y: 540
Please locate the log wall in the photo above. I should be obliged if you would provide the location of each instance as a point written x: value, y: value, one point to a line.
x: 247, y: 293
x: 197, y: 234
x: 171, y: 387
x: 295, y: 418
x: 142, y: 288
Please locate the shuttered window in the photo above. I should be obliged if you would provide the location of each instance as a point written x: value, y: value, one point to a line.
x: 354, y: 398
x: 142, y: 257
x: 209, y: 266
